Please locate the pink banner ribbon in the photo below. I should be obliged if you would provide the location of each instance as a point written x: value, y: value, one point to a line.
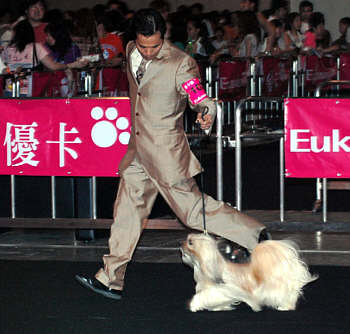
x: 195, y: 90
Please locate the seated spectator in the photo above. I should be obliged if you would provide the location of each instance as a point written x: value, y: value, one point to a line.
x: 24, y: 53
x: 60, y: 43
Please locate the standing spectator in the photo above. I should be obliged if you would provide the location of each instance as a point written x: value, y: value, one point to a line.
x: 293, y: 38
x: 35, y: 12
x: 84, y: 33
x: 279, y: 10
x: 109, y: 37
x: 278, y: 44
x: 315, y: 33
x: 220, y: 45
x: 305, y: 9
x: 120, y: 6
x: 265, y: 26
x: 198, y: 45
x: 249, y: 34
x: 342, y: 43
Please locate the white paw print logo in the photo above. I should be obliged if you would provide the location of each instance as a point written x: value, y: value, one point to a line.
x: 105, y: 133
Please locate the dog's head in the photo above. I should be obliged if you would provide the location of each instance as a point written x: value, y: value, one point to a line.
x: 201, y: 253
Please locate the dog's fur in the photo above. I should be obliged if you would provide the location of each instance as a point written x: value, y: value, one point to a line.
x: 274, y: 277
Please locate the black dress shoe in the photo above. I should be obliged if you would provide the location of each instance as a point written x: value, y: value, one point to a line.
x: 264, y: 235
x: 232, y: 251
x: 96, y: 286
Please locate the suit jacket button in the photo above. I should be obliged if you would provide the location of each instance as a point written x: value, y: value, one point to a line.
x: 137, y: 133
x: 139, y: 94
x: 137, y: 114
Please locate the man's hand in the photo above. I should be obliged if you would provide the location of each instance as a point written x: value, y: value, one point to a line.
x: 205, y: 122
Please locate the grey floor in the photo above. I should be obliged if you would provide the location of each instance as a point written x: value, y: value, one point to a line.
x: 317, y: 248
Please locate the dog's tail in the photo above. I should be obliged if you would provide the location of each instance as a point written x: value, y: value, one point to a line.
x: 280, y: 258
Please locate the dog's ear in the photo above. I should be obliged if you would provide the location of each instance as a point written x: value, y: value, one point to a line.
x: 211, y: 264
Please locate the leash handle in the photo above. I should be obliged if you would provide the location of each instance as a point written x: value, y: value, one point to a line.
x: 204, y: 112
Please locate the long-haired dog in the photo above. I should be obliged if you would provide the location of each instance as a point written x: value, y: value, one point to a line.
x: 274, y: 277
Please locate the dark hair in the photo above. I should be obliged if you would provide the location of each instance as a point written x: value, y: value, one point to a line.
x: 256, y: 3
x: 122, y: 6
x: 305, y: 4
x: 345, y: 20
x: 277, y: 4
x: 29, y: 3
x: 160, y: 5
x: 290, y: 20
x: 248, y: 24
x: 23, y: 35
x: 147, y: 22
x: 316, y: 19
x: 276, y: 23
x: 111, y: 20
x: 63, y: 40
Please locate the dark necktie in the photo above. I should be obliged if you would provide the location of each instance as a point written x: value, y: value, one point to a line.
x: 141, y: 70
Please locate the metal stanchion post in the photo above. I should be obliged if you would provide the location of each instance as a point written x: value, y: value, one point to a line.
x: 238, y: 152
x: 53, y: 197
x: 219, y: 153
x: 282, y: 179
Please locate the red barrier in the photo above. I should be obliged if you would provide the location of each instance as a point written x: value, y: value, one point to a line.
x: 52, y: 84
x: 345, y: 68
x: 275, y: 76
x: 318, y: 70
x: 115, y: 82
x: 233, y: 79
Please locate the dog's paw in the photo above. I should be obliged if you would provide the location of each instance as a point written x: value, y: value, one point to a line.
x: 194, y: 305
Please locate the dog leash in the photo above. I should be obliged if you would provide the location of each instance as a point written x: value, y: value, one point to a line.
x: 204, y: 112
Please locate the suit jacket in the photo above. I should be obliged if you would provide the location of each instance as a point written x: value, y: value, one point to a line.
x: 158, y: 139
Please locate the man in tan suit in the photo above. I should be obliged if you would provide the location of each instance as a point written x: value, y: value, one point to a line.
x: 159, y: 159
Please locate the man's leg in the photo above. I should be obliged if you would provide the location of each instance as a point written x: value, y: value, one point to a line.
x: 185, y: 199
x: 134, y: 202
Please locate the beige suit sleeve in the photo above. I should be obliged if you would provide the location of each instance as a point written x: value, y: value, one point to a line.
x: 188, y: 70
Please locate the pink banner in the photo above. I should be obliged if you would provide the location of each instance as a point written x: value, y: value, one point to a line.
x: 233, y: 79
x: 275, y: 74
x: 318, y: 70
x: 317, y: 138
x: 63, y: 137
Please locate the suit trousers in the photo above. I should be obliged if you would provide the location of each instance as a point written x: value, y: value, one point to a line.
x: 136, y: 195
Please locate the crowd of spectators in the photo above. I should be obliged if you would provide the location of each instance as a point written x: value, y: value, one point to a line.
x: 64, y: 37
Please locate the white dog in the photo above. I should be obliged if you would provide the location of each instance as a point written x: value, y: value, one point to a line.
x: 274, y: 277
